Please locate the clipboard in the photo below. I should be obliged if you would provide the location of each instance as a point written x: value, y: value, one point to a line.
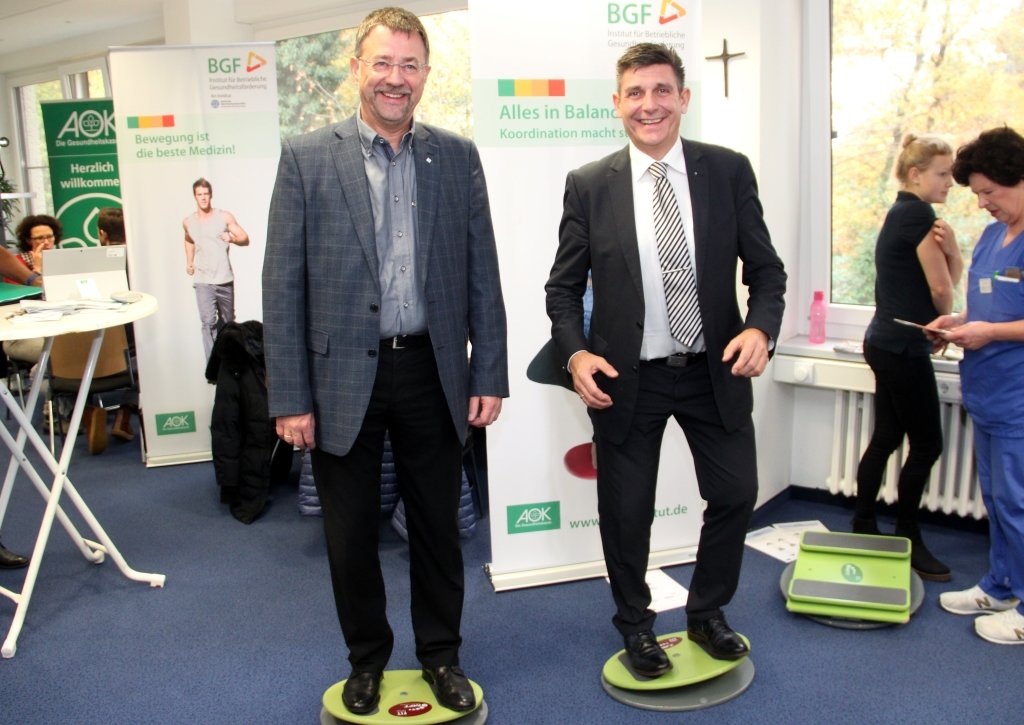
x: 908, y: 323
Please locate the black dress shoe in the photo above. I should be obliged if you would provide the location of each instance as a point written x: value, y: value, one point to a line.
x: 717, y: 638
x: 362, y: 692
x: 451, y: 687
x: 10, y: 560
x: 645, y: 654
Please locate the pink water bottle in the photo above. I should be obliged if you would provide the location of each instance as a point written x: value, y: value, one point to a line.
x: 816, y: 335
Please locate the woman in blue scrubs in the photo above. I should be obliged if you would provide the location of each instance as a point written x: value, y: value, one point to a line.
x: 991, y: 332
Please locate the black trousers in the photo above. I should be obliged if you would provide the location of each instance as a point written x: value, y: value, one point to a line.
x: 627, y: 474
x: 906, y: 403
x: 409, y: 403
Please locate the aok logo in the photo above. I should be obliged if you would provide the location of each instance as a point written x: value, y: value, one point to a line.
x: 534, y: 517
x: 638, y: 13
x: 88, y: 124
x: 174, y: 423
x: 852, y: 573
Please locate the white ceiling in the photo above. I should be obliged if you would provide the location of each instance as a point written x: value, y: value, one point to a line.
x: 38, y: 34
x: 26, y: 25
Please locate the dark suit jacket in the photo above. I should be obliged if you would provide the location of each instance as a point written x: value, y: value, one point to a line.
x: 321, y: 289
x: 598, y: 232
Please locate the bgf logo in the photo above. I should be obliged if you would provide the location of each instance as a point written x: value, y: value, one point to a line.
x: 89, y: 123
x: 628, y: 13
x: 638, y: 13
x: 223, y: 65
x: 253, y: 62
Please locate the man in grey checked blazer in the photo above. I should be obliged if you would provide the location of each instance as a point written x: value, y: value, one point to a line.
x: 380, y: 267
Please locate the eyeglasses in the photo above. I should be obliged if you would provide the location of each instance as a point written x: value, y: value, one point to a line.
x: 44, y: 238
x: 382, y: 67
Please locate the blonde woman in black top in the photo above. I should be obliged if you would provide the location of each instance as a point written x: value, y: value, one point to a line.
x: 917, y: 264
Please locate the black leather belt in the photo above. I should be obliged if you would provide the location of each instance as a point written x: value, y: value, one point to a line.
x: 402, y: 342
x: 679, y: 360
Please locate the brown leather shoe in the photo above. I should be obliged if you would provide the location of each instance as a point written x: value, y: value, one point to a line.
x: 95, y: 420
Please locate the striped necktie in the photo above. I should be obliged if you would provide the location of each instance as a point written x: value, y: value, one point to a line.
x: 676, y: 265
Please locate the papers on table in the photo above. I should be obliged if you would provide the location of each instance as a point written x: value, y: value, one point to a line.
x: 782, y: 541
x: 33, y: 311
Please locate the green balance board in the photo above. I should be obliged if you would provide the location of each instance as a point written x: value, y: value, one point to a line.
x: 854, y: 576
x: 404, y: 697
x: 690, y: 665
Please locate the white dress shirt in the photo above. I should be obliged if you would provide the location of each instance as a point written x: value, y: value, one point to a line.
x: 658, y: 341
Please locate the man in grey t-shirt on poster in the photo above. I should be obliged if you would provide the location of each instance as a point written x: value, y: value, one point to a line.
x: 209, y: 234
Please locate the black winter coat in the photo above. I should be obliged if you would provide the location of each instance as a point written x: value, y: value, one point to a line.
x: 242, y: 433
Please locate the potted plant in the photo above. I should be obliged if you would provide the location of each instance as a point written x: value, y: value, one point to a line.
x: 8, y: 207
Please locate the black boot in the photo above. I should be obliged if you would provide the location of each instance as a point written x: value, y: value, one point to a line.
x: 865, y: 525
x: 921, y: 560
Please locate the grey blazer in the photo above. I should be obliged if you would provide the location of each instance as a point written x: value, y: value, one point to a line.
x: 321, y: 289
x: 598, y: 232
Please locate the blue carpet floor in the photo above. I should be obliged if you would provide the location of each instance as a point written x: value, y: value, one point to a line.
x: 245, y: 632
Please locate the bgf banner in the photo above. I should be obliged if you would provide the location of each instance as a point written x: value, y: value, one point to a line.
x: 198, y: 143
x: 81, y: 142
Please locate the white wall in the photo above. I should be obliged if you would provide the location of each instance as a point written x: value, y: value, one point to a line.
x: 766, y: 117
x: 761, y: 118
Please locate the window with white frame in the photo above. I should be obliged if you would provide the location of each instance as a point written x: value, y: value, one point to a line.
x: 951, y: 68
x: 86, y: 79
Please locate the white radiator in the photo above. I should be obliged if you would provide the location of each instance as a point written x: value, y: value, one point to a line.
x: 953, y: 488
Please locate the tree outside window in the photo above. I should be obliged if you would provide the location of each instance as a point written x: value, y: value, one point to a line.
x: 946, y: 67
x: 314, y: 89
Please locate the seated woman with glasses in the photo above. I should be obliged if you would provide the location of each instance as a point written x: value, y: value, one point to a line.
x: 35, y: 233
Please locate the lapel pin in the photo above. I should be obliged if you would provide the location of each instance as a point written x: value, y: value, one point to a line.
x: 429, y: 159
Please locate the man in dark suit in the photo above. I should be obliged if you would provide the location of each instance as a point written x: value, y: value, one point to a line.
x: 633, y: 371
x: 380, y: 267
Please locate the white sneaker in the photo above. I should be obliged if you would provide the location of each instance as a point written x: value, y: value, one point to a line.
x: 974, y: 601
x: 1002, y: 628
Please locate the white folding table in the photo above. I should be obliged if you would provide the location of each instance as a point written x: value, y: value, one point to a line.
x: 95, y: 552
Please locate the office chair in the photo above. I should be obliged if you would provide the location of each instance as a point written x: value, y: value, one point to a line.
x: 68, y: 357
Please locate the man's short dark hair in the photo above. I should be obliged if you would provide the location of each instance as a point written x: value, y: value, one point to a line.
x: 397, y: 20
x: 203, y: 183
x: 997, y: 153
x: 643, y: 55
x: 111, y: 221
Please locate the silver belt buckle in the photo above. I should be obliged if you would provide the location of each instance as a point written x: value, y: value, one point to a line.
x: 394, y: 343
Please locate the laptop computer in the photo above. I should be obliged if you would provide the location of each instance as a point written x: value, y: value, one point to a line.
x: 83, y: 273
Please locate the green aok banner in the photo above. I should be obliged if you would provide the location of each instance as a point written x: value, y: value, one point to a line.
x: 81, y: 143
